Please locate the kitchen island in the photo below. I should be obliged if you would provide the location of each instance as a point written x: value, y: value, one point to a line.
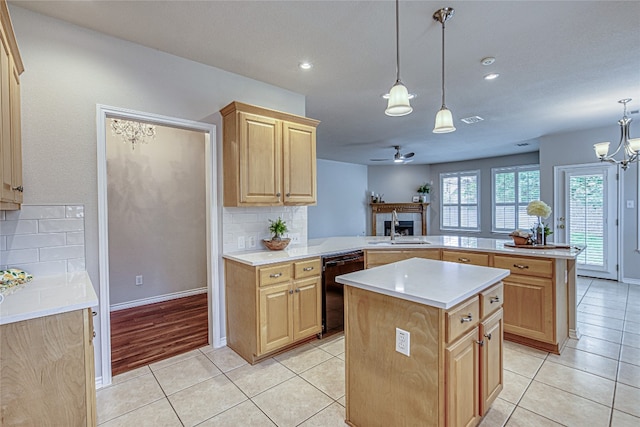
x: 423, y: 343
x: 539, y: 295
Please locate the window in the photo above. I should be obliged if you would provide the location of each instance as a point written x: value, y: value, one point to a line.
x: 459, y: 192
x: 513, y: 189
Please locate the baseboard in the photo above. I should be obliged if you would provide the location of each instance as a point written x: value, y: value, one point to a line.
x: 159, y: 298
x: 98, y: 383
x: 631, y: 281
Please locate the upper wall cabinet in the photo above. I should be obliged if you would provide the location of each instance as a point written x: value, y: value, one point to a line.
x: 10, y: 136
x: 269, y: 157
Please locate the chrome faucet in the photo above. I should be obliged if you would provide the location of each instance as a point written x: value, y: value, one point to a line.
x: 394, y: 223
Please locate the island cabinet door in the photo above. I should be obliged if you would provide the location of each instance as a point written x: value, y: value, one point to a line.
x: 307, y: 306
x: 276, y: 318
x: 528, y: 307
x: 491, y: 335
x: 462, y: 371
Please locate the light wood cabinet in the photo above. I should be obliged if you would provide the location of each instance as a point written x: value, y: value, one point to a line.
x: 47, y: 371
x: 454, y: 367
x: 269, y: 157
x: 11, y: 191
x: 377, y: 257
x: 272, y: 307
x: 474, y: 258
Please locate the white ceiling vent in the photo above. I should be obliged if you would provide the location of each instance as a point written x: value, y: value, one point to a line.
x: 522, y: 144
x: 471, y: 120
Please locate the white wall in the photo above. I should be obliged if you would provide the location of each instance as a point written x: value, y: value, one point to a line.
x: 342, y: 208
x: 68, y: 70
x: 156, y: 215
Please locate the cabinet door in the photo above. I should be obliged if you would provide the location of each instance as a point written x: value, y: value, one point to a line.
x: 299, y: 156
x: 16, y: 135
x: 260, y: 159
x: 491, y: 360
x: 276, y: 326
x: 6, y: 155
x: 307, y: 307
x: 528, y: 307
x: 462, y: 372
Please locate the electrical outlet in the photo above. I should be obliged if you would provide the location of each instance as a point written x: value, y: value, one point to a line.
x: 252, y: 241
x: 630, y: 204
x: 139, y: 280
x: 295, y: 237
x: 240, y: 242
x: 403, y: 342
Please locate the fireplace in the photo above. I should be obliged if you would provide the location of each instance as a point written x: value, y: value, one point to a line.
x: 404, y: 229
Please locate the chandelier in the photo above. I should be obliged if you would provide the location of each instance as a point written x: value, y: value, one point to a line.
x: 133, y: 132
x: 629, y: 147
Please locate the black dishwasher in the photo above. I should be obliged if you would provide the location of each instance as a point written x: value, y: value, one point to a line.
x: 332, y: 292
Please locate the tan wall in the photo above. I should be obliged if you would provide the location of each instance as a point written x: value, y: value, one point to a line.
x: 156, y: 197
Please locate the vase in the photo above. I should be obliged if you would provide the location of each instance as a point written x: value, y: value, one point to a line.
x: 424, y: 198
x: 540, y: 238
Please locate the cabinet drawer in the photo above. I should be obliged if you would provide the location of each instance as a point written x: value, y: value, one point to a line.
x: 462, y: 318
x: 375, y: 258
x: 526, y: 266
x: 307, y: 268
x: 491, y: 300
x: 275, y: 274
x: 466, y: 257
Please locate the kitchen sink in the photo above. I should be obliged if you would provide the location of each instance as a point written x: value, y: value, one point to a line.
x: 398, y: 242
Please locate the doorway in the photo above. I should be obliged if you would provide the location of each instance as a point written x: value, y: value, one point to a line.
x: 587, y: 214
x: 104, y: 114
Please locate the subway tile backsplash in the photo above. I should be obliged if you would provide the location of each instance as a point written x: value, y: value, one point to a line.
x: 251, y: 225
x: 43, y: 240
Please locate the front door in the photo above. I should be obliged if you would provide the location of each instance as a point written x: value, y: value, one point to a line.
x: 587, y: 204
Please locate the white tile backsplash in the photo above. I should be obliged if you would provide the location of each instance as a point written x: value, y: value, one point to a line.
x: 43, y: 239
x: 247, y: 222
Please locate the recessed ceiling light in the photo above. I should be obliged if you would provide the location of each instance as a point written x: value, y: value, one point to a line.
x: 411, y: 96
x: 491, y: 76
x: 305, y: 65
x: 488, y: 60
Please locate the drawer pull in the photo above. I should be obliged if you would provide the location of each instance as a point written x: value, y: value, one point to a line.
x: 93, y: 313
x: 494, y: 299
x: 464, y: 260
x: 488, y: 336
x: 480, y: 343
x: 468, y: 318
x: 297, y: 289
x: 290, y: 291
x: 307, y: 269
x: 275, y: 275
x: 520, y: 266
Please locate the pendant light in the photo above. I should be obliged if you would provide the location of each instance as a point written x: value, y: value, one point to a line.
x: 444, y: 119
x: 398, y: 104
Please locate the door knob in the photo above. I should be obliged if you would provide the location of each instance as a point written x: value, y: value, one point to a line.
x: 561, y: 218
x: 561, y: 226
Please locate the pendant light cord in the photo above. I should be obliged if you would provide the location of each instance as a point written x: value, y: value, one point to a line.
x: 397, y: 43
x: 443, y: 104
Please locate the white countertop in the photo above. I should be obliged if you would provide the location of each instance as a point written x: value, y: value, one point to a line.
x: 435, y: 283
x: 333, y: 245
x: 45, y: 296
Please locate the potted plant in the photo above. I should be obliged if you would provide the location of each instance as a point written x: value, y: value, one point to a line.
x: 424, y: 190
x: 277, y: 229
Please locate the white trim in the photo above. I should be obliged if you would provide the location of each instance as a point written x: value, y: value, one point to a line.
x: 516, y: 204
x: 637, y: 208
x: 98, y: 383
x: 476, y: 174
x: 630, y: 281
x: 159, y: 298
x: 213, y: 213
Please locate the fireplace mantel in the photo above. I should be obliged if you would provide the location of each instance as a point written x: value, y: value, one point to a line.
x: 380, y: 208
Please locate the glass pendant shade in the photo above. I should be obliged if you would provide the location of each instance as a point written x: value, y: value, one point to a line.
x: 634, y: 145
x: 444, y: 121
x: 602, y: 149
x: 398, y: 104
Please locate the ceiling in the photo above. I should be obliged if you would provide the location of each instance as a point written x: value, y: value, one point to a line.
x: 563, y: 64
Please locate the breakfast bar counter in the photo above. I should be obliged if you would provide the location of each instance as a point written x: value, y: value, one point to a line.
x: 428, y: 334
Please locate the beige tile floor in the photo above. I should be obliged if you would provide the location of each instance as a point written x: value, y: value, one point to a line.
x: 595, y: 382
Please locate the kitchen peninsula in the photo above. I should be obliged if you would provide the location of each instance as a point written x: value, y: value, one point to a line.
x: 428, y: 333
x: 539, y: 294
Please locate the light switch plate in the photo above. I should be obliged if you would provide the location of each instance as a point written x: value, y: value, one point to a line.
x: 630, y: 204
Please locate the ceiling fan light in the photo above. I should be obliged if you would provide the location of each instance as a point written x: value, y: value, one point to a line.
x: 601, y: 148
x: 398, y: 104
x: 444, y: 121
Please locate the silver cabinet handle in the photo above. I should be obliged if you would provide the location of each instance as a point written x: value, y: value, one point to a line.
x: 277, y: 194
x: 290, y: 291
x: 275, y: 276
x: 464, y: 260
x: 94, y: 333
x: 288, y: 194
x: 520, y: 266
x: 467, y: 318
x: 297, y: 289
x: 307, y: 269
x: 93, y: 313
x: 19, y: 189
x: 494, y: 299
x: 487, y: 336
x: 480, y: 343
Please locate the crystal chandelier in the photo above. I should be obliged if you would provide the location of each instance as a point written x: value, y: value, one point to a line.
x: 133, y: 132
x: 629, y: 147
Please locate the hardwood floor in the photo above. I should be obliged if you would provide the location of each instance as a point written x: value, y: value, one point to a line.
x: 149, y: 333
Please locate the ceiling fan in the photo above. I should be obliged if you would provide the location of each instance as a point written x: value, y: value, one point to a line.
x: 397, y: 157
